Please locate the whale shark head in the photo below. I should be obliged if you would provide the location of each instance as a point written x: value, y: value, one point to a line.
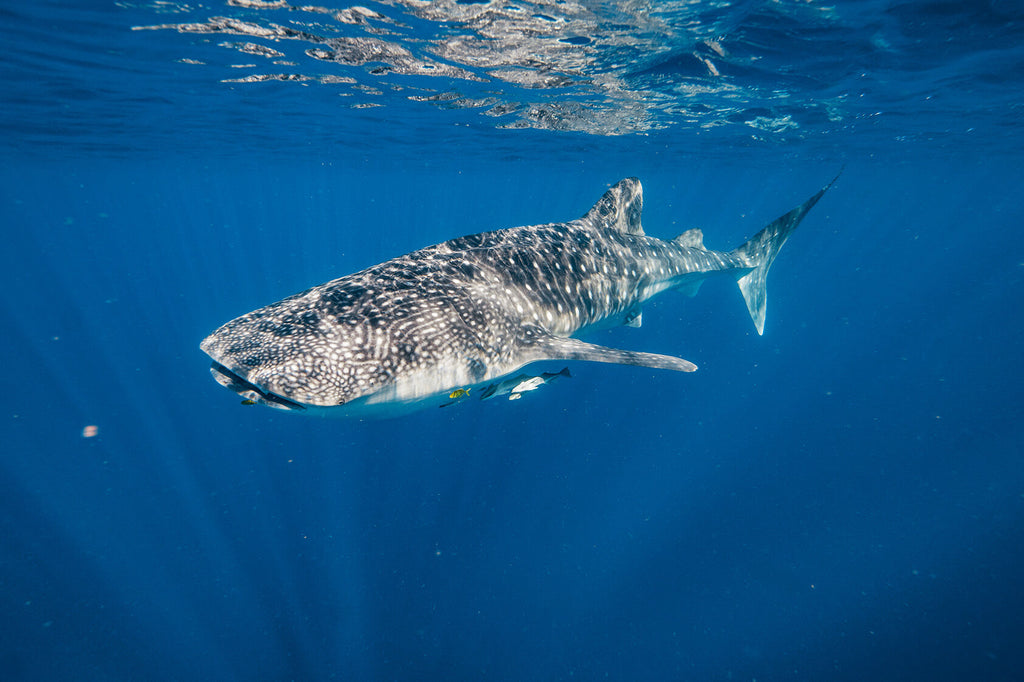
x: 352, y: 344
x: 292, y: 355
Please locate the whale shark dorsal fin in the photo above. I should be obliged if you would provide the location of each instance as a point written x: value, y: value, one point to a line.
x: 537, y: 344
x: 619, y: 208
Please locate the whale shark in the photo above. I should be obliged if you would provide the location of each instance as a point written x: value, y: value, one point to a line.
x: 412, y: 331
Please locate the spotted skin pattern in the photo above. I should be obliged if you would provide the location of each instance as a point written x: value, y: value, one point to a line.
x: 405, y: 333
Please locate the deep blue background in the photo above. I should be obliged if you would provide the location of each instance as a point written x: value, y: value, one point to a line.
x: 841, y: 498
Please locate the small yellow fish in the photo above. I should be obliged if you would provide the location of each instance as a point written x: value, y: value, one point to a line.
x: 459, y: 393
x: 248, y: 401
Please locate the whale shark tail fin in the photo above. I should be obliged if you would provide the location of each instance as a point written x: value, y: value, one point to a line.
x: 760, y: 251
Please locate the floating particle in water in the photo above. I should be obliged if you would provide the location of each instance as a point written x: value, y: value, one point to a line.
x: 90, y: 431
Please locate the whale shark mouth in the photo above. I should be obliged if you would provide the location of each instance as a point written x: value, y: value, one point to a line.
x: 250, y: 391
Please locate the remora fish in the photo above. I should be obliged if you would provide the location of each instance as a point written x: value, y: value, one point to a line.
x: 516, y: 386
x: 406, y: 333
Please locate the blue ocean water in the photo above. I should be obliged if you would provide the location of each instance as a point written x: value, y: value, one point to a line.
x: 839, y: 499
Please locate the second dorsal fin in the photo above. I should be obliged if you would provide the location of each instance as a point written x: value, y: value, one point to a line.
x: 694, y: 239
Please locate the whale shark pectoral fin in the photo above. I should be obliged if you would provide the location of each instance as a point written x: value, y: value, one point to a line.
x: 543, y: 346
